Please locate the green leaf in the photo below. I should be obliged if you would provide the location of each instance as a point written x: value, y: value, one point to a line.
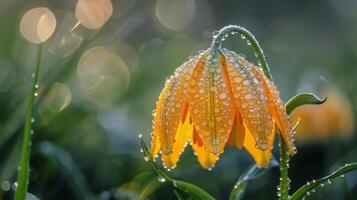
x: 192, y: 191
x: 23, y: 174
x: 252, y: 172
x: 302, y: 99
x: 183, y: 190
x: 64, y: 162
x: 305, y: 189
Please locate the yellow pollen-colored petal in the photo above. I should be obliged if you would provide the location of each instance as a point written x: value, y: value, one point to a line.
x: 155, y: 146
x: 262, y: 158
x: 277, y: 108
x: 250, y: 99
x: 237, y: 135
x: 171, y: 105
x: 183, y: 136
x: 210, y: 104
x: 205, y: 158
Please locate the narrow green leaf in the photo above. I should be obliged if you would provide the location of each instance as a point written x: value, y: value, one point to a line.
x: 139, y: 188
x: 148, y: 189
x: 183, y: 190
x: 192, y: 191
x: 305, y: 189
x: 23, y: 175
x: 252, y: 172
x: 302, y: 99
x: 64, y: 162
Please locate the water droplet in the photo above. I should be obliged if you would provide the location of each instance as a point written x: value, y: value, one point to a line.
x: 161, y: 179
x: 146, y: 158
x: 174, y: 183
x: 222, y: 95
x: 14, y: 186
x: 140, y: 135
x: 37, y: 86
x: 242, y: 36
x: 5, y: 185
x: 32, y: 120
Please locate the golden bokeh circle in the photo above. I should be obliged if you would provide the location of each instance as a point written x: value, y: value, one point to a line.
x: 38, y: 24
x: 93, y: 14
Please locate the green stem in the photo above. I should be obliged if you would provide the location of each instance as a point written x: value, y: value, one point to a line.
x: 284, y: 186
x: 251, y: 41
x: 23, y: 174
x: 245, y: 34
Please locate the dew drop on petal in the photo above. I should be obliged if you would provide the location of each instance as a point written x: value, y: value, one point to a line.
x: 222, y: 95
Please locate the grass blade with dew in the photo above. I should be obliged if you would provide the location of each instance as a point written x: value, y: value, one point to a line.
x: 24, y: 168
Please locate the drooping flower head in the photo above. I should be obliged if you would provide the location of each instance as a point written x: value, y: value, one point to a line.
x: 214, y: 99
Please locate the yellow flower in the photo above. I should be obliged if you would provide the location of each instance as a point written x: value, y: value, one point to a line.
x: 216, y: 98
x: 332, y: 119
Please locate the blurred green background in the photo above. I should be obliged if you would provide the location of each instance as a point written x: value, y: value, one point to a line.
x: 89, y: 114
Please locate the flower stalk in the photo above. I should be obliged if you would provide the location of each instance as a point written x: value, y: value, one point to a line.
x: 218, y: 38
x: 225, y: 32
x: 23, y: 174
x: 284, y: 185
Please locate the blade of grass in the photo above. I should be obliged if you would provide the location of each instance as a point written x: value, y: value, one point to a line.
x: 23, y: 175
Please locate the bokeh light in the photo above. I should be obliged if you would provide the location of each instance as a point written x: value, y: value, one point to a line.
x: 128, y: 54
x: 56, y: 100
x: 103, y: 74
x: 38, y: 24
x: 93, y: 14
x: 58, y: 97
x: 175, y: 14
x: 65, y: 40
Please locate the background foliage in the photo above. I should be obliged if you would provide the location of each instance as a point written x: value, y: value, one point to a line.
x: 85, y: 141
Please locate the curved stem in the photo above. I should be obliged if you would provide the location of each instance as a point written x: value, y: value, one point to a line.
x: 245, y: 34
x: 284, y: 185
x: 23, y: 174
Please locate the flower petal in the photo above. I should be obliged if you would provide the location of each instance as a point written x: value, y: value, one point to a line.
x: 277, y: 108
x: 170, y: 107
x: 183, y: 136
x: 250, y: 99
x: 155, y: 146
x: 205, y: 158
x: 237, y: 135
x: 210, y: 104
x: 262, y: 158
